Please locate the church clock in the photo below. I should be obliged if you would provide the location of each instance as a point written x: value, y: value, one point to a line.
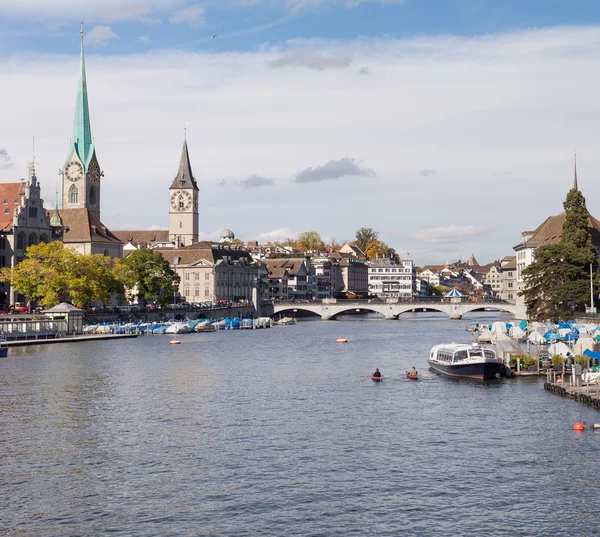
x: 181, y: 200
x: 93, y: 172
x: 74, y: 171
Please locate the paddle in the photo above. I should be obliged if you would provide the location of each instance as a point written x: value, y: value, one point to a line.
x: 370, y: 376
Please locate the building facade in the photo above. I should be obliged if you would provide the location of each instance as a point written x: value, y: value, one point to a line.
x: 388, y: 279
x: 23, y: 222
x: 508, y: 279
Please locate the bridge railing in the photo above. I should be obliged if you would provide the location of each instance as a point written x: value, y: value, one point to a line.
x: 379, y: 302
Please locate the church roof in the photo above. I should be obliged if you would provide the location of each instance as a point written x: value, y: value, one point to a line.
x: 11, y: 193
x: 203, y: 250
x: 144, y: 237
x: 550, y: 232
x: 184, y: 177
x: 81, y: 140
x: 83, y: 226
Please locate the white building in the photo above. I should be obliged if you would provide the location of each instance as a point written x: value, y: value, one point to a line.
x: 390, y: 280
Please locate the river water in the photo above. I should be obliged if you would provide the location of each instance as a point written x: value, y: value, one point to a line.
x: 276, y: 432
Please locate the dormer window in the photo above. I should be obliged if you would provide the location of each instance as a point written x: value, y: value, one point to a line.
x: 5, y: 202
x: 6, y: 211
x: 17, y: 201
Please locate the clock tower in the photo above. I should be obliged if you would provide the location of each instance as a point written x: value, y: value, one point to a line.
x: 81, y: 172
x: 183, y: 203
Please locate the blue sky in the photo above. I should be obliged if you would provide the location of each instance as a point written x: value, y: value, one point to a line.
x: 448, y: 126
x: 37, y: 25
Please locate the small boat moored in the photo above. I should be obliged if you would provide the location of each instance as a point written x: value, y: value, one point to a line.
x: 341, y: 339
x: 459, y: 360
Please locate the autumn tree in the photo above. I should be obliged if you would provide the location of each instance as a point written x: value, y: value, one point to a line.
x: 52, y: 273
x: 310, y: 241
x: 558, y: 280
x: 149, y: 273
x: 364, y: 236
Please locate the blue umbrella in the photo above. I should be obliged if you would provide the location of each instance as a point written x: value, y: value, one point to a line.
x: 453, y: 293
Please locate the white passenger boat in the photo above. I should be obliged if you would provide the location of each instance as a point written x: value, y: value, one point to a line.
x: 465, y: 361
x: 286, y: 321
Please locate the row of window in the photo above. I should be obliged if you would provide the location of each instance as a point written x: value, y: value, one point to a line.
x: 31, y: 240
x: 389, y: 270
x: 74, y: 195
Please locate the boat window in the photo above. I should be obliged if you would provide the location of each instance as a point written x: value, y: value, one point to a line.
x: 461, y: 355
x: 476, y: 353
x: 489, y: 354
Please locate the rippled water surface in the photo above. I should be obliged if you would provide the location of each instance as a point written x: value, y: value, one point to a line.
x: 276, y: 432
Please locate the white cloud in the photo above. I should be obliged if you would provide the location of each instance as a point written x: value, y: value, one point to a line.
x: 108, y: 11
x: 276, y: 235
x: 192, y: 15
x: 256, y: 181
x: 5, y: 160
x: 448, y: 234
x: 312, y: 59
x: 334, y: 169
x: 100, y: 35
x: 144, y: 40
x: 298, y: 5
x: 469, y: 107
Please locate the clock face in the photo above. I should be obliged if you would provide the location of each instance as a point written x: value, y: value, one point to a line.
x: 74, y: 171
x: 94, y: 172
x: 181, y: 200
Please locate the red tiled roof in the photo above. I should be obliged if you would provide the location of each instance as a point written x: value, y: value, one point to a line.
x: 83, y: 226
x: 12, y: 194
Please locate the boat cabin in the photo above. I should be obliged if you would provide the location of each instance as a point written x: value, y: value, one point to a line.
x: 461, y: 353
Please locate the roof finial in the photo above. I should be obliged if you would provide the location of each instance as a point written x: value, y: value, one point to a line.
x: 575, y: 180
x: 185, y: 131
x: 81, y: 30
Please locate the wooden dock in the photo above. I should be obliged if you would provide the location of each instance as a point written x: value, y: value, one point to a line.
x: 67, y: 339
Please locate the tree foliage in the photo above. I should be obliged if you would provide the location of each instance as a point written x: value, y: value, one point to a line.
x: 558, y: 280
x: 150, y: 273
x: 364, y: 236
x: 52, y: 273
x: 310, y: 241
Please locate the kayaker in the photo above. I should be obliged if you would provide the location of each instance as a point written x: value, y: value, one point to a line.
x: 377, y: 373
x: 413, y: 372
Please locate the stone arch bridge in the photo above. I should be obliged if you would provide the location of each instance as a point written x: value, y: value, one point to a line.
x: 330, y: 310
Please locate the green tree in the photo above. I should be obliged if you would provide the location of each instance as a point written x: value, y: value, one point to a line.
x: 558, y: 280
x: 149, y: 273
x: 310, y: 241
x: 92, y: 279
x: 364, y: 236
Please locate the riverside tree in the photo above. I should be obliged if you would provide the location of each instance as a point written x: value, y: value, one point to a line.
x: 52, y: 273
x: 558, y: 280
x: 150, y: 274
x: 379, y: 249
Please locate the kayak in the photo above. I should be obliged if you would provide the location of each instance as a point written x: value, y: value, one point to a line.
x: 376, y: 379
x: 413, y: 377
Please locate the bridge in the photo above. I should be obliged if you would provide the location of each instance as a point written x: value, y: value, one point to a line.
x: 330, y: 309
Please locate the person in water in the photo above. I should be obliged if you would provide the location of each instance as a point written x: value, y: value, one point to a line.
x: 377, y: 373
x: 413, y: 371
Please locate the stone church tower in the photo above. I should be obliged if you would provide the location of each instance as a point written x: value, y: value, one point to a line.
x: 81, y: 173
x: 183, y: 204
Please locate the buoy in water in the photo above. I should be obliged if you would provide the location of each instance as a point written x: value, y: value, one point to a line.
x: 174, y: 341
x: 579, y: 426
x: 341, y: 339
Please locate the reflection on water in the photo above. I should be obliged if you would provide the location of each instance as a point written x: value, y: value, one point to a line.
x: 281, y: 431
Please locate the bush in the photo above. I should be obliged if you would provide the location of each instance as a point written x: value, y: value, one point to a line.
x: 526, y: 360
x: 557, y: 359
x: 581, y: 359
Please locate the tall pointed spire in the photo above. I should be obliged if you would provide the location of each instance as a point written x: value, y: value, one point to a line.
x: 575, y: 181
x: 82, y: 131
x: 184, y: 177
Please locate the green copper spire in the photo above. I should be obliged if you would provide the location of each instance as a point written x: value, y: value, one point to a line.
x: 82, y: 132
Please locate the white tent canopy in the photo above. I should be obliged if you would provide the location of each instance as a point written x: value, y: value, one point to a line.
x: 561, y: 349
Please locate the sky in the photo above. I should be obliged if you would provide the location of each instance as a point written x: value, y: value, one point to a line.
x: 449, y: 126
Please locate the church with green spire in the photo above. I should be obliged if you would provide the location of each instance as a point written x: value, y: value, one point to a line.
x: 81, y: 183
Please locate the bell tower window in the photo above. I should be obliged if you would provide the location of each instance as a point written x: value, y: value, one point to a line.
x: 73, y: 194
